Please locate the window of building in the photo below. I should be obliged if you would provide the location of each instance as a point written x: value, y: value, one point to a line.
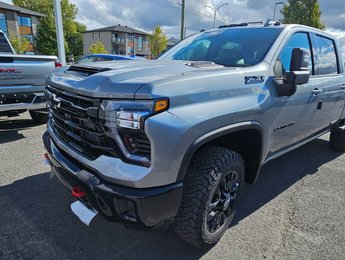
x: 325, y: 56
x: 4, y: 46
x: 24, y: 21
x: 3, y: 23
x: 99, y: 35
x: 130, y: 37
x: 140, y: 43
x: 93, y: 36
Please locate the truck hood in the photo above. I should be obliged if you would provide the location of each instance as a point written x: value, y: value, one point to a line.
x: 123, y: 79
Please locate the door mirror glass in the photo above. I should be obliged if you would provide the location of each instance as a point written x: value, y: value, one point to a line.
x: 299, y: 72
x: 299, y: 60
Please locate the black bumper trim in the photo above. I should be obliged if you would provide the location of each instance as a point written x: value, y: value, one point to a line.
x: 150, y: 207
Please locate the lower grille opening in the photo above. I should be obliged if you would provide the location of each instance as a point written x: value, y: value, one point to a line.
x: 137, y: 143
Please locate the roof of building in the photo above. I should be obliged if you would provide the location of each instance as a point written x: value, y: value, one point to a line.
x: 119, y: 28
x: 19, y: 9
x: 172, y: 41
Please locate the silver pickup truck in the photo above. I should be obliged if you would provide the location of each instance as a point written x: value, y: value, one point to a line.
x: 173, y: 141
x: 22, y: 81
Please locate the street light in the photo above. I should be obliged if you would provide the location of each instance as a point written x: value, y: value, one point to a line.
x: 275, y: 9
x: 59, y: 32
x: 215, y: 10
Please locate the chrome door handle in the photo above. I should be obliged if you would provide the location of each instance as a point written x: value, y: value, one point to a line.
x: 317, y: 91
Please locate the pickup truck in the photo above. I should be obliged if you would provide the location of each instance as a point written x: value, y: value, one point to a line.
x: 173, y: 141
x: 22, y: 82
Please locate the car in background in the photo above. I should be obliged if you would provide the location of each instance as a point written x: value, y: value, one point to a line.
x: 104, y: 57
x: 22, y: 81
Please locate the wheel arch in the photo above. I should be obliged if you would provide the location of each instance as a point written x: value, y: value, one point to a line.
x: 236, y: 137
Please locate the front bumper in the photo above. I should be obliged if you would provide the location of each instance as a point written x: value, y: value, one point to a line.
x: 149, y: 207
x: 22, y: 101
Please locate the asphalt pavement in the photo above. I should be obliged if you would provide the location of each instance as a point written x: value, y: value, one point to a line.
x: 295, y: 211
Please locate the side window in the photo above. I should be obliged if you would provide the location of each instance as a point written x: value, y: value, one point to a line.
x: 297, y: 40
x: 325, y: 56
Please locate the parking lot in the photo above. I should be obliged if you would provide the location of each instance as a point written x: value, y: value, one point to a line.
x: 295, y: 211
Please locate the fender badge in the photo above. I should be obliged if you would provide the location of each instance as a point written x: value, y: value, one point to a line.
x: 253, y: 79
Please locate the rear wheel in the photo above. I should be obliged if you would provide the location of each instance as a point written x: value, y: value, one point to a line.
x: 39, y: 117
x: 337, y: 139
x: 212, y: 187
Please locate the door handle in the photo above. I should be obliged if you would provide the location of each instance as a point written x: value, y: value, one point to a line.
x: 316, y: 91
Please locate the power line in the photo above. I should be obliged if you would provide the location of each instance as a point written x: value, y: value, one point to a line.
x: 196, y: 11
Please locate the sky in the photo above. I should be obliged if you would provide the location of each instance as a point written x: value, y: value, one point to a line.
x: 146, y: 14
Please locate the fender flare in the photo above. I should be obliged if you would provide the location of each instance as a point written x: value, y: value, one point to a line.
x: 214, y: 134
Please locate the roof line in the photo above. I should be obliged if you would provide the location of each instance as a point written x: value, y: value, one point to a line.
x: 11, y: 7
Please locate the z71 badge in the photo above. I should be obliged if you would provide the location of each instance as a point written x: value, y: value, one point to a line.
x: 254, y: 79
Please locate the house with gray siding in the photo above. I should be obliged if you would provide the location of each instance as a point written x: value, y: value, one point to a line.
x: 118, y: 39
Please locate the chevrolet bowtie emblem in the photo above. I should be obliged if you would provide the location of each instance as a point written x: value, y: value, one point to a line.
x: 56, y: 101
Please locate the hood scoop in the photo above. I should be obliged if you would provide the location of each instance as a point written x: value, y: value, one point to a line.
x: 88, y: 70
x: 202, y: 64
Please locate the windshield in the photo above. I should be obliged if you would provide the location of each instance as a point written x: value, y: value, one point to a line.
x: 4, y: 46
x: 235, y: 47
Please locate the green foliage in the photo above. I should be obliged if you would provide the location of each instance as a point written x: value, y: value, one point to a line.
x: 157, y: 41
x: 19, y: 43
x: 46, y: 32
x: 306, y: 12
x: 75, y: 41
x: 97, y: 48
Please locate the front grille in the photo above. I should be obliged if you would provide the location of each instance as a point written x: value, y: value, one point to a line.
x: 75, y: 120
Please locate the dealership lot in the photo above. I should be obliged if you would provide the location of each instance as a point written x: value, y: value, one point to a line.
x: 296, y: 210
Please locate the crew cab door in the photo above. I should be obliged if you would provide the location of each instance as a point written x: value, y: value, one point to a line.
x: 293, y: 117
x: 328, y: 79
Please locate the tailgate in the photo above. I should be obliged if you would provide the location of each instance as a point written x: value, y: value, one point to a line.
x: 25, y: 70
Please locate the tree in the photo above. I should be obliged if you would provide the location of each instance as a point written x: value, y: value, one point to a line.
x: 75, y: 41
x: 19, y: 43
x: 97, y: 48
x: 45, y: 41
x: 157, y: 41
x: 306, y: 12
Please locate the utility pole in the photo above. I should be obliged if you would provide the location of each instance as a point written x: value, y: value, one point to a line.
x: 59, y: 32
x: 183, y: 5
x: 215, y: 10
x: 275, y: 9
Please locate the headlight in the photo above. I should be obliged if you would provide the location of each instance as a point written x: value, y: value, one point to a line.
x: 124, y: 122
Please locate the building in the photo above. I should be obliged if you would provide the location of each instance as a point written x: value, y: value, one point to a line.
x: 15, y: 20
x: 172, y: 42
x: 118, y: 39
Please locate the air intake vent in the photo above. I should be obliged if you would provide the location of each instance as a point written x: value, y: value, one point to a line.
x: 88, y: 70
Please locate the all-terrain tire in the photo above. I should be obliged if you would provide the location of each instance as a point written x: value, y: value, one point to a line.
x: 206, y: 171
x: 38, y: 117
x: 337, y: 140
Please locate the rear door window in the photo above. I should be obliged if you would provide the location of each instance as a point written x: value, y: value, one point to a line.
x: 326, y: 62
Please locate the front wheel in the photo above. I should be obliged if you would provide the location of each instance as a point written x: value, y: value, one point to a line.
x: 39, y: 117
x: 212, y: 187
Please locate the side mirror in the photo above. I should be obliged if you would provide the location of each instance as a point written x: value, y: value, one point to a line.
x: 298, y: 74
